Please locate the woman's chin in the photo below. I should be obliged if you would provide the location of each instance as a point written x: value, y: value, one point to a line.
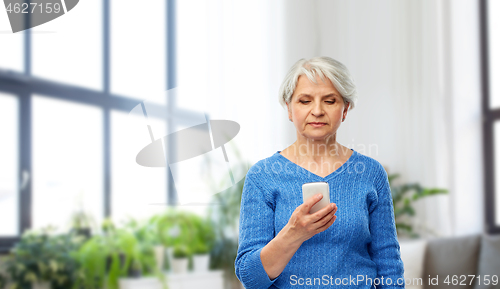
x: 318, y: 137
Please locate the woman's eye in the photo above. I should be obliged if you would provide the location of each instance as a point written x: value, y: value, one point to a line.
x: 307, y: 101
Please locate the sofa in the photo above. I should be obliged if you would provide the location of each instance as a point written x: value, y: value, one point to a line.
x: 466, y: 262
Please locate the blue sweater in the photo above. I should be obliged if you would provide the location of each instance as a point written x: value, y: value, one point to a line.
x: 359, y: 250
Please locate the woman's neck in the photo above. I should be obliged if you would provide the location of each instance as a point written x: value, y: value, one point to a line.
x: 312, y: 150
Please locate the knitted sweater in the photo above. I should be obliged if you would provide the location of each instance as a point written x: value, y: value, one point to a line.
x: 359, y: 250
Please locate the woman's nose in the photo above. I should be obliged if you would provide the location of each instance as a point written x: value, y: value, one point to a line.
x: 317, y: 109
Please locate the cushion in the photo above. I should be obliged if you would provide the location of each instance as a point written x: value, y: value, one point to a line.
x: 489, y: 263
x: 451, y: 257
x: 412, y: 254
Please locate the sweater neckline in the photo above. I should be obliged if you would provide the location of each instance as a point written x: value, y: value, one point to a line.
x: 339, y: 170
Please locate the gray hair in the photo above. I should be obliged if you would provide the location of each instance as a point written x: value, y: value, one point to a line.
x: 322, y: 66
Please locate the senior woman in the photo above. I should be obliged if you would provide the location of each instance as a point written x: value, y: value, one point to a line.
x: 350, y: 243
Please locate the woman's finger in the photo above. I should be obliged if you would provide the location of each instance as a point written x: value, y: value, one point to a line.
x: 325, y: 219
x: 327, y: 225
x: 307, y: 205
x: 322, y: 213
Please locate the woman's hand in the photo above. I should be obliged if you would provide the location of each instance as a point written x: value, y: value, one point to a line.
x: 303, y: 225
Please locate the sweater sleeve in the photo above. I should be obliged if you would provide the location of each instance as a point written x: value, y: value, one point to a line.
x: 256, y: 229
x: 384, y: 248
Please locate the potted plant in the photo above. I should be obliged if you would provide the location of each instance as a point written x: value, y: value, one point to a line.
x: 174, y: 229
x: 144, y: 260
x: 81, y: 224
x: 201, y: 258
x: 149, y: 234
x: 403, y: 197
x: 203, y: 243
x: 104, y: 258
x: 43, y: 260
x: 180, y: 259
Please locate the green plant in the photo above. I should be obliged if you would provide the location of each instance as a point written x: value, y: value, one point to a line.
x: 146, y: 231
x: 146, y: 234
x: 114, y: 254
x: 108, y: 226
x: 3, y: 280
x: 175, y: 228
x: 403, y: 197
x: 204, y: 235
x: 92, y: 259
x: 200, y: 248
x: 143, y: 259
x: 105, y: 258
x: 81, y: 220
x: 82, y: 224
x: 43, y: 256
x: 181, y: 251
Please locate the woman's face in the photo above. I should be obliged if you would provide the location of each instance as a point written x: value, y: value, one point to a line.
x: 316, y: 103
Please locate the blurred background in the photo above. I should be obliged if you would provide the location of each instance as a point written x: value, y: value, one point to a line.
x: 428, y: 111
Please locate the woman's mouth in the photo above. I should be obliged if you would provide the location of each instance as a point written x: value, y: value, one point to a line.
x: 317, y: 124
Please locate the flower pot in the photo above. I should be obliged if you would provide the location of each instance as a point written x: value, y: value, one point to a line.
x: 159, y: 257
x: 134, y: 273
x: 179, y: 265
x: 41, y: 285
x: 85, y: 232
x: 201, y: 263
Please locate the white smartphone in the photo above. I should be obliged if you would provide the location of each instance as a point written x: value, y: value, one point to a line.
x: 311, y: 189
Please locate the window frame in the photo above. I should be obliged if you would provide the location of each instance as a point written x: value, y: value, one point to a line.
x: 489, y: 117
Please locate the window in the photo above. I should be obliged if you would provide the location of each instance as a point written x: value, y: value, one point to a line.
x: 66, y: 90
x: 490, y: 42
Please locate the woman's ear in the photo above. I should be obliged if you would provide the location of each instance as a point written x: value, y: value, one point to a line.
x: 346, y: 108
x: 289, y: 112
